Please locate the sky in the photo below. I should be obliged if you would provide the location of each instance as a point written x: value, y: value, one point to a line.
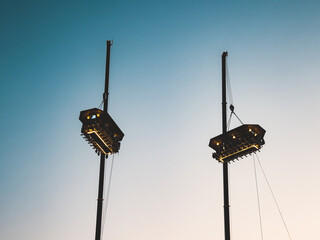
x: 165, y: 95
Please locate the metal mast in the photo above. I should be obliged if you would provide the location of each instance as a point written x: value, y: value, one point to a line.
x: 103, y: 156
x: 232, y: 145
x: 226, y: 205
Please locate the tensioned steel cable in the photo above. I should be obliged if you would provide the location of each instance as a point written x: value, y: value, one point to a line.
x: 237, y: 117
x: 229, y: 85
x: 100, y: 106
x: 107, y: 197
x: 230, y: 202
x: 230, y: 97
x: 258, y: 198
x: 274, y: 198
x: 229, y: 122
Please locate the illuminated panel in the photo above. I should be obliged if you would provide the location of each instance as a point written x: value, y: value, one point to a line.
x: 101, y: 132
x: 237, y: 143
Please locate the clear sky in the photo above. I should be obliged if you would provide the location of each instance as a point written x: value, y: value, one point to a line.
x: 165, y: 94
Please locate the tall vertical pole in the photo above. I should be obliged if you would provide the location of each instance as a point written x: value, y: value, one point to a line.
x: 225, y: 164
x: 106, y: 86
x: 103, y: 156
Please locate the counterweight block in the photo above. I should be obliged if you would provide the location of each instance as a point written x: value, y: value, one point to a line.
x: 238, y: 142
x: 99, y: 129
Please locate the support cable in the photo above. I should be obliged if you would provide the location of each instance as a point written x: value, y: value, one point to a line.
x: 101, y: 104
x: 230, y: 97
x: 258, y: 198
x: 274, y: 198
x: 229, y: 85
x: 107, y: 197
x: 229, y: 122
x: 237, y: 117
x: 230, y: 201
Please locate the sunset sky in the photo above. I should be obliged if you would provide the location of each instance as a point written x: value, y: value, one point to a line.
x: 165, y: 95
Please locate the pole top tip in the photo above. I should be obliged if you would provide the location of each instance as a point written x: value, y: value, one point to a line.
x: 109, y: 42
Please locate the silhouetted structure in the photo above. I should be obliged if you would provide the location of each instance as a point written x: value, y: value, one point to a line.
x: 237, y: 143
x: 233, y: 144
x: 101, y: 131
x: 103, y: 134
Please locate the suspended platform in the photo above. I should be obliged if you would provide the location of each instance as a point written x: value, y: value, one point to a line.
x: 99, y: 129
x: 238, y: 142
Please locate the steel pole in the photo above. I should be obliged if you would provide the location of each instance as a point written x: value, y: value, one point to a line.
x: 226, y: 205
x: 103, y: 156
x: 100, y: 197
x: 106, y: 86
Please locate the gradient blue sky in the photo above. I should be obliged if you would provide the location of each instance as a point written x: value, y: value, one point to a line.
x: 165, y: 95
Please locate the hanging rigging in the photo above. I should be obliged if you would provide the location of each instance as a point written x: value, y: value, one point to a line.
x: 238, y: 142
x: 231, y: 145
x: 99, y: 129
x: 104, y: 135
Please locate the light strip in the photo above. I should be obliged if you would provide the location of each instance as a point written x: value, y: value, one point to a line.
x: 100, y: 148
x: 221, y: 159
x: 100, y: 139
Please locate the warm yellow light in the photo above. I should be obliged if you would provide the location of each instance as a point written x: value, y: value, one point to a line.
x: 88, y: 117
x: 218, y: 144
x: 101, y: 148
x: 250, y: 130
x: 242, y: 150
x: 98, y: 115
x: 94, y: 132
x: 233, y: 137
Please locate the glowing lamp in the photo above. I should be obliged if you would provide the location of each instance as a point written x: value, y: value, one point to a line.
x: 237, y: 143
x: 99, y: 129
